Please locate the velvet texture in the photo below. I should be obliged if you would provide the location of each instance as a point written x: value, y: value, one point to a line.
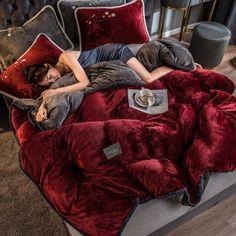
x: 163, y: 155
x: 66, y: 10
x: 13, y: 80
x: 112, y: 24
x: 167, y: 52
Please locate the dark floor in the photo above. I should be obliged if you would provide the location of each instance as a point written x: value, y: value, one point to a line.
x: 4, y: 116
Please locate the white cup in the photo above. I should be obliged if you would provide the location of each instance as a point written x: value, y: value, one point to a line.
x: 146, y: 96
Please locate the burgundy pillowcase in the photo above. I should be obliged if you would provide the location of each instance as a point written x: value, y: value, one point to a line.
x: 122, y: 24
x: 13, y: 82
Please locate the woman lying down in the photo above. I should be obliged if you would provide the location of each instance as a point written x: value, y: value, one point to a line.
x: 75, y: 61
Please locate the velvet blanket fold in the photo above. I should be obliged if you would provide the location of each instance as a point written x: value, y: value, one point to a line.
x: 165, y: 155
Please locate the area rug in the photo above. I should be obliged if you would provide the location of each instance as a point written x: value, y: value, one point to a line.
x: 23, y: 211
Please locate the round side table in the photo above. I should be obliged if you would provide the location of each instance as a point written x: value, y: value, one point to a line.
x: 208, y: 44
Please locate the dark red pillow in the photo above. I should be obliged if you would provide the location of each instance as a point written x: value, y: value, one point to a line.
x: 121, y: 24
x: 13, y: 81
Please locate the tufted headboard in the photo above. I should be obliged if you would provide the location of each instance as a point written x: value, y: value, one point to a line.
x: 17, y: 12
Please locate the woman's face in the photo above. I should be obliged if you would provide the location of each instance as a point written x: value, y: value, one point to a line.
x: 51, y: 76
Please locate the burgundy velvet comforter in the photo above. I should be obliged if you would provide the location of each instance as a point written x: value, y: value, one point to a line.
x: 165, y: 155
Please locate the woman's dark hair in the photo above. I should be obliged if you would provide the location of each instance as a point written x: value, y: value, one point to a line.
x: 36, y: 73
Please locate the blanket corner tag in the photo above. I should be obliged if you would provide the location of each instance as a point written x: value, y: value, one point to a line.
x: 112, y: 150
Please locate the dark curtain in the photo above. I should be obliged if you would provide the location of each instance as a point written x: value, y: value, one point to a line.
x: 226, y: 14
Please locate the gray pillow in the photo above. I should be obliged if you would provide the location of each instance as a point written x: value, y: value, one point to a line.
x: 165, y: 52
x: 66, y: 10
x: 177, y: 55
x: 15, y: 41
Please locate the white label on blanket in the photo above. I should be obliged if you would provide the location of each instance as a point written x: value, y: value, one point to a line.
x: 112, y: 150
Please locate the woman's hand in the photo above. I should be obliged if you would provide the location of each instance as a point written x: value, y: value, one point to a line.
x: 41, y: 114
x: 48, y: 93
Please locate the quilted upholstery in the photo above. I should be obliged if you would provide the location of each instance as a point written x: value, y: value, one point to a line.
x: 17, y: 12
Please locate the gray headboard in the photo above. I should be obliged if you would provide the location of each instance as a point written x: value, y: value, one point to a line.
x: 17, y: 12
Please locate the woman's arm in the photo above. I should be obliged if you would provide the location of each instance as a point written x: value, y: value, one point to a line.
x: 145, y: 75
x: 70, y: 59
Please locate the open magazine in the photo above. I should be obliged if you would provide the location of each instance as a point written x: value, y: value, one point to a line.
x: 157, y: 100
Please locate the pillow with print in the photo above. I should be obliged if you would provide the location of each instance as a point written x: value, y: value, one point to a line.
x: 17, y: 40
x: 122, y: 24
x: 66, y: 10
x: 13, y: 81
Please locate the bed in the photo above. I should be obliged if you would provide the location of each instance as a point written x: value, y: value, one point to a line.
x: 157, y: 157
